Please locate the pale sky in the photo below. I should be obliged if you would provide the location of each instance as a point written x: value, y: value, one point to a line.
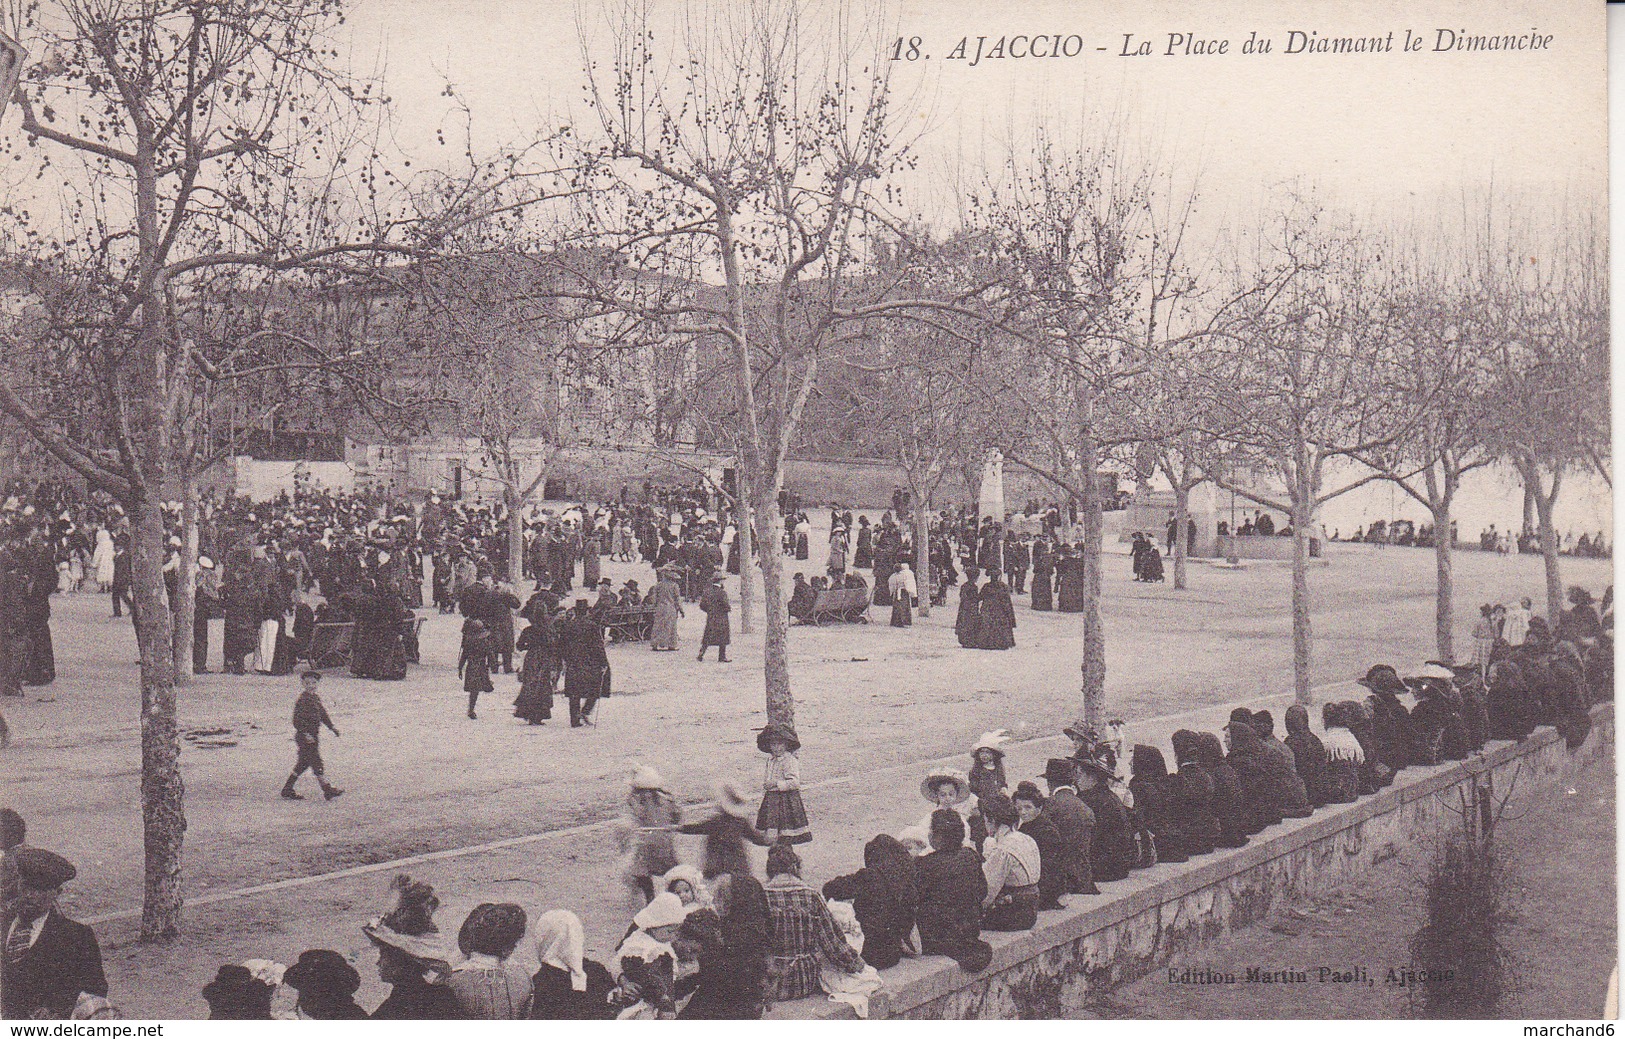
x: 1370, y: 130
x: 1375, y: 133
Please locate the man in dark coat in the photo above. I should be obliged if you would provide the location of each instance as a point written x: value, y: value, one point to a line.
x: 1074, y: 821
x: 49, y: 959
x: 586, y: 665
x: 714, y: 603
x: 497, y: 612
x: 1017, y: 557
x: 121, y: 577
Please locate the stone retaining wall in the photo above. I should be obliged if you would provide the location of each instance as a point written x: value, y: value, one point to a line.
x: 1167, y: 914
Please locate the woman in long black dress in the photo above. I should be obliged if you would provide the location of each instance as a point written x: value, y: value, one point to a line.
x: 968, y: 622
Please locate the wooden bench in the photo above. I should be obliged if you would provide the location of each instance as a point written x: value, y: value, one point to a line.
x: 330, y: 644
x: 841, y: 604
x: 629, y: 623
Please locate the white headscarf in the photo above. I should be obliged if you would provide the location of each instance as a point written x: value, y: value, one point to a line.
x: 561, y: 943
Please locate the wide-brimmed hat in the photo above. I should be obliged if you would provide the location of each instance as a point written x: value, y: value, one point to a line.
x: 768, y: 733
x: 1099, y: 768
x: 731, y: 801
x: 645, y: 777
x: 1382, y: 678
x: 41, y: 869
x: 323, y: 971
x: 1080, y: 731
x: 1434, y: 669
x: 940, y: 777
x: 425, y: 950
x: 990, y: 741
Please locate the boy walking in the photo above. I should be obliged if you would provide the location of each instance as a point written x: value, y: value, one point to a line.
x: 309, y: 715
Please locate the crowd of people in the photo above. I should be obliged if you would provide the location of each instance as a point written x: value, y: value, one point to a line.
x: 714, y: 939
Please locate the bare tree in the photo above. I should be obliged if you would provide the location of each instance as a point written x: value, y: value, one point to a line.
x: 1551, y: 401
x: 1442, y: 345
x: 1089, y: 241
x: 190, y: 138
x: 1295, y: 386
x: 743, y: 159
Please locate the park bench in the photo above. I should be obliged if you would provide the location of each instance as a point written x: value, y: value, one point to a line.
x: 629, y: 623
x: 330, y: 644
x: 841, y: 604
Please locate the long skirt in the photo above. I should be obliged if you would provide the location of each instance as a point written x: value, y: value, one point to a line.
x: 902, y: 611
x: 40, y: 664
x: 801, y: 546
x: 265, y: 652
x: 1043, y: 592
x: 664, y: 633
x: 783, y: 811
x: 537, y: 680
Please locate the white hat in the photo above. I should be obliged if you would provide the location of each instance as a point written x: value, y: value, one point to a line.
x: 383, y: 557
x: 666, y: 910
x: 1436, y: 671
x: 205, y: 563
x: 644, y: 777
x: 991, y: 741
x: 174, y: 542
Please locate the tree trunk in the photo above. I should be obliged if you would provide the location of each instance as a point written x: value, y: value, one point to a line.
x: 1444, y: 607
x: 1302, y: 633
x: 1529, y: 485
x: 516, y: 534
x: 781, y: 707
x: 185, y: 605
x: 163, y: 819
x: 1182, y: 500
x: 1094, y: 635
x: 743, y: 523
x: 1545, y: 506
x: 922, y: 554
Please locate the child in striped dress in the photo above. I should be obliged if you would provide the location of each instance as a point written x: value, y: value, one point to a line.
x: 782, y: 816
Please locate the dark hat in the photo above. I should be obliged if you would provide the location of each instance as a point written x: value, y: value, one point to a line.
x: 768, y: 733
x: 1382, y: 678
x: 1080, y: 731
x: 317, y: 675
x: 323, y: 971
x: 234, y: 986
x: 41, y: 869
x: 582, y: 602
x: 1061, y: 771
x: 1100, y: 769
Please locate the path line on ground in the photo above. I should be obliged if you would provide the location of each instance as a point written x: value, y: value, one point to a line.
x: 395, y: 865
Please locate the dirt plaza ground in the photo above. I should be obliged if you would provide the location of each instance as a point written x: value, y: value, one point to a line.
x: 493, y: 810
